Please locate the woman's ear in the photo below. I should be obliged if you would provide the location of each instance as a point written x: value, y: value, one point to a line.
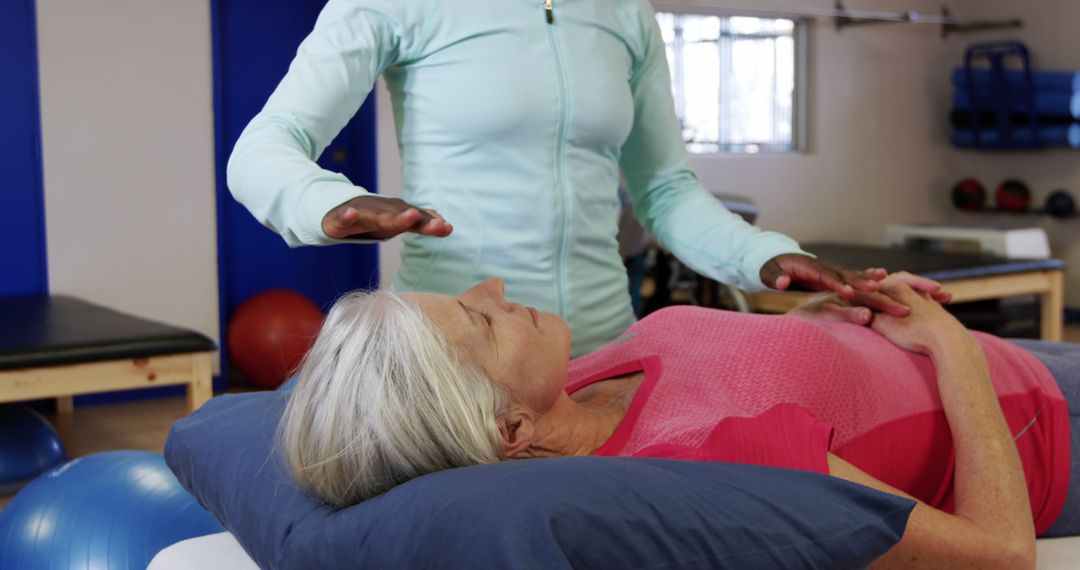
x: 516, y: 432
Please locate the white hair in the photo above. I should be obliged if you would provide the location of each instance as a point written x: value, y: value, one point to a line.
x: 384, y: 397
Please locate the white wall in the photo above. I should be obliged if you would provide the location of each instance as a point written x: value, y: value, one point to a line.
x: 877, y: 137
x: 127, y: 120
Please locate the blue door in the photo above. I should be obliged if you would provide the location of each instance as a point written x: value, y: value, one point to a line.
x: 22, y: 213
x: 254, y: 42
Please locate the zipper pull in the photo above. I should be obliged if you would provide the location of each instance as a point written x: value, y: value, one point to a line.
x: 549, y: 11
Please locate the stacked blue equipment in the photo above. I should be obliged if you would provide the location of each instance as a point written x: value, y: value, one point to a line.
x: 1014, y: 107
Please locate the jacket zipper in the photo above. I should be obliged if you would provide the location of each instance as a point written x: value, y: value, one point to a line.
x: 562, y: 183
x: 549, y: 11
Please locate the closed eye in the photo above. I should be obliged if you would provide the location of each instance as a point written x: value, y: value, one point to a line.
x: 487, y: 318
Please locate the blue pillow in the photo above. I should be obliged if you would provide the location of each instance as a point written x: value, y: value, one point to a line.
x: 587, y: 512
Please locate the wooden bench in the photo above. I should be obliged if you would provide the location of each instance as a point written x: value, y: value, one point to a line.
x: 61, y: 347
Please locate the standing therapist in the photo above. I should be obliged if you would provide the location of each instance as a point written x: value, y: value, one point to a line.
x: 514, y: 118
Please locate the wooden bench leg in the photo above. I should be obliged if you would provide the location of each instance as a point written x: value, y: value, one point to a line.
x: 1053, y: 308
x: 65, y: 405
x: 65, y: 417
x: 201, y: 388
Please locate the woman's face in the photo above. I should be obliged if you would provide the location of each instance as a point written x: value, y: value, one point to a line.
x: 522, y: 349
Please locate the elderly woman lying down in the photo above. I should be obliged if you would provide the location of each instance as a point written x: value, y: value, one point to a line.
x: 973, y: 427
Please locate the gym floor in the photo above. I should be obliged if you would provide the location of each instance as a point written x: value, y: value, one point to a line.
x: 145, y: 425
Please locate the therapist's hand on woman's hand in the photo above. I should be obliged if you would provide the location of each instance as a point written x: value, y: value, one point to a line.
x: 376, y: 217
x: 794, y: 271
x: 832, y: 307
x: 856, y: 310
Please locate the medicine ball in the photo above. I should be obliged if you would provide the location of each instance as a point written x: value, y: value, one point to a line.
x: 1012, y: 196
x: 969, y: 194
x: 1060, y: 204
x: 29, y: 446
x: 269, y: 334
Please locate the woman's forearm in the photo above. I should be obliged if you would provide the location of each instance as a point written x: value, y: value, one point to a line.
x: 989, y: 485
x: 992, y: 526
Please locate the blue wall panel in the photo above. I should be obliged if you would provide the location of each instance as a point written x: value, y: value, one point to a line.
x: 22, y: 216
x: 254, y: 42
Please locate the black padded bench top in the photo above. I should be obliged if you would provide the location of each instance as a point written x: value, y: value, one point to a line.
x: 38, y: 331
x: 935, y: 265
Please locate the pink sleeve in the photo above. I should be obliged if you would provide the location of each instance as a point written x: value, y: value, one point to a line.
x: 785, y: 435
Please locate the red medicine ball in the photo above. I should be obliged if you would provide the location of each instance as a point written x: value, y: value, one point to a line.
x: 969, y: 194
x: 270, y: 333
x: 1012, y: 196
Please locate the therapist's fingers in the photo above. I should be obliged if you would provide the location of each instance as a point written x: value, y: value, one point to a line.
x: 773, y: 275
x: 343, y: 219
x: 784, y: 274
x: 794, y: 271
x: 806, y: 273
x: 433, y: 214
x: 384, y: 224
x: 866, y: 281
x: 388, y: 223
x: 376, y: 217
x: 342, y: 222
x: 432, y: 224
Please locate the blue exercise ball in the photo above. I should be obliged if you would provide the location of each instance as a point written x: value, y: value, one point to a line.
x: 112, y: 510
x: 29, y: 446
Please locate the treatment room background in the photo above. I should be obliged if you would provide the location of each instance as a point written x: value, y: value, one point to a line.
x: 118, y: 117
x: 131, y: 211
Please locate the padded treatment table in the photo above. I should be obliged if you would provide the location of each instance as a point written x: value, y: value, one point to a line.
x: 60, y: 347
x: 223, y: 552
x: 967, y: 277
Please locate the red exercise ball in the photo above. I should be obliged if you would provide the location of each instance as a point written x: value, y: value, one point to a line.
x: 1013, y: 196
x: 969, y: 194
x: 269, y: 334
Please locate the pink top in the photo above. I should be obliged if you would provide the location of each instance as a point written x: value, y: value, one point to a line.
x: 769, y: 390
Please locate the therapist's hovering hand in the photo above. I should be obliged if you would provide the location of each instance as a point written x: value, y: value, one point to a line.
x: 794, y: 271
x: 376, y: 217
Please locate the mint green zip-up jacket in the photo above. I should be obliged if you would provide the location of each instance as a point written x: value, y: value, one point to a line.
x: 512, y: 127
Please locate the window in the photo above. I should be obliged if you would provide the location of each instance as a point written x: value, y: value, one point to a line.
x: 734, y: 79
